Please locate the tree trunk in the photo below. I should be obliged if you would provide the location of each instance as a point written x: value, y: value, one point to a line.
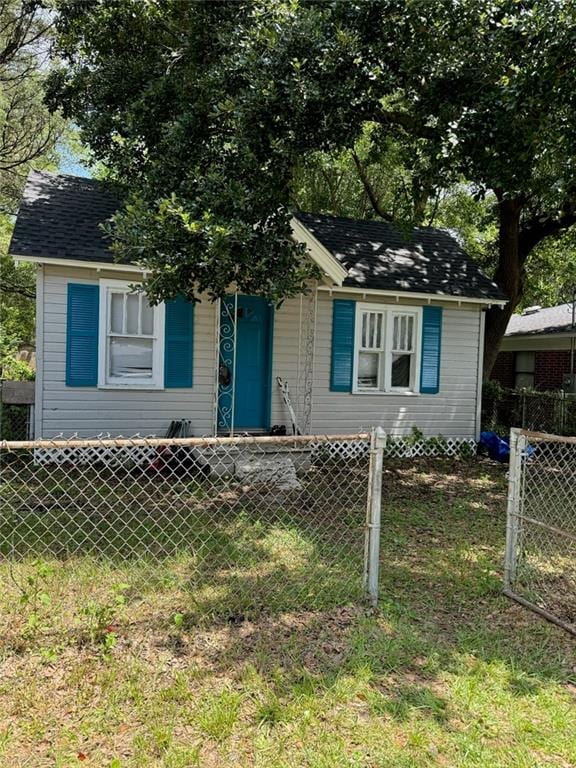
x: 508, y: 277
x: 421, y: 193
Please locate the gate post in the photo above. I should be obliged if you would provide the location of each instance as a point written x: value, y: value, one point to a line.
x: 517, y: 445
x: 373, y: 514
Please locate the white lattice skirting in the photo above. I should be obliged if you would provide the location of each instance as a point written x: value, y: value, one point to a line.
x: 403, y: 448
x: 110, y: 457
x: 396, y: 447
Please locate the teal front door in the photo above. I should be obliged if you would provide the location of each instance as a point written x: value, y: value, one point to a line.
x: 245, y: 360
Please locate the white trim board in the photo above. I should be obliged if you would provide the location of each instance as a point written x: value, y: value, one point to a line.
x: 536, y: 342
x: 321, y: 256
x: 99, y: 266
x: 426, y: 298
x: 480, y: 372
x: 39, y: 340
x: 319, y: 253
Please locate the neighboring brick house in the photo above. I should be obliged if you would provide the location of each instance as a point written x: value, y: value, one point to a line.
x: 537, y: 349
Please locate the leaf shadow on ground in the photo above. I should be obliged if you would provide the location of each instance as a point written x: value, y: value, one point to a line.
x: 447, y: 663
x: 441, y: 605
x: 442, y: 545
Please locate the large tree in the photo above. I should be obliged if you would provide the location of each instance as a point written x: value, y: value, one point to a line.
x: 205, y: 110
x: 29, y: 134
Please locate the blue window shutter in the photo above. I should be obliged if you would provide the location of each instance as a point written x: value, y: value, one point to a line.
x: 431, y: 348
x: 82, y: 335
x: 343, y: 322
x: 179, y: 343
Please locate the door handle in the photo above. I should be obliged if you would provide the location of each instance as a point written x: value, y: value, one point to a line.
x: 224, y: 376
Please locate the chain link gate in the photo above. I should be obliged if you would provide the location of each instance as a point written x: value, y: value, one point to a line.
x: 224, y: 526
x: 540, y: 561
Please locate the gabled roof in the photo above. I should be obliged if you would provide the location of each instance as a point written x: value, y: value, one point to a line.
x: 378, y: 255
x: 540, y: 321
x: 60, y: 218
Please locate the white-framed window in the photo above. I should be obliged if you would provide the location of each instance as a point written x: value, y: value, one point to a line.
x: 370, y: 349
x: 131, y: 344
x: 387, y: 348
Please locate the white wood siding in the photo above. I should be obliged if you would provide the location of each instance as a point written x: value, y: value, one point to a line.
x: 285, y: 360
x: 452, y: 412
x: 88, y: 411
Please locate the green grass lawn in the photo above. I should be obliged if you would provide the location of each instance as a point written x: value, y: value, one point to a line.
x: 448, y: 673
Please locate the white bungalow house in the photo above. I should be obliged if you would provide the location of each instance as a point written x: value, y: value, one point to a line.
x: 391, y: 336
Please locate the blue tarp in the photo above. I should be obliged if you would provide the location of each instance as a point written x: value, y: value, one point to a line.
x: 497, y: 447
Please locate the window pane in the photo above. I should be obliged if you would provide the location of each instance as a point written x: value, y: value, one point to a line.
x: 401, y: 365
x: 379, y: 331
x: 525, y: 362
x: 116, y: 312
x: 132, y: 311
x: 130, y: 358
x: 368, y: 363
x: 372, y: 324
x: 403, y: 333
x: 147, y: 318
x: 524, y: 380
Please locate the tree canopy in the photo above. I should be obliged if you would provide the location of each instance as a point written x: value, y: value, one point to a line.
x: 29, y: 136
x: 332, y: 183
x: 29, y: 133
x: 208, y: 112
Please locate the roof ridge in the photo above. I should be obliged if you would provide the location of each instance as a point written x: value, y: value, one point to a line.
x: 378, y: 222
x: 68, y: 176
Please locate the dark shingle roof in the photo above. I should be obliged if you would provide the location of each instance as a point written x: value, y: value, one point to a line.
x: 549, y: 320
x: 59, y: 218
x: 382, y: 256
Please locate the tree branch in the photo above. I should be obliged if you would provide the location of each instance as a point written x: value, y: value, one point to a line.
x: 18, y: 290
x: 434, y: 209
x: 411, y: 124
x: 538, y: 228
x: 375, y: 202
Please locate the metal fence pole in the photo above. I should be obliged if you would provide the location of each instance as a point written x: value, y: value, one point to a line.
x: 373, y: 514
x: 517, y: 445
x: 523, y: 409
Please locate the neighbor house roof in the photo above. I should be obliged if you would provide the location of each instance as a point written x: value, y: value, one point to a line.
x: 383, y: 256
x: 538, y: 320
x: 60, y: 218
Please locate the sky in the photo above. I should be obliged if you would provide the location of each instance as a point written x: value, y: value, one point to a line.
x: 72, y: 164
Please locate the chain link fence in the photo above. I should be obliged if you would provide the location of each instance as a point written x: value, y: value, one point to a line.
x: 16, y: 422
x: 540, y: 567
x: 16, y: 410
x: 552, y: 412
x: 214, y: 527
